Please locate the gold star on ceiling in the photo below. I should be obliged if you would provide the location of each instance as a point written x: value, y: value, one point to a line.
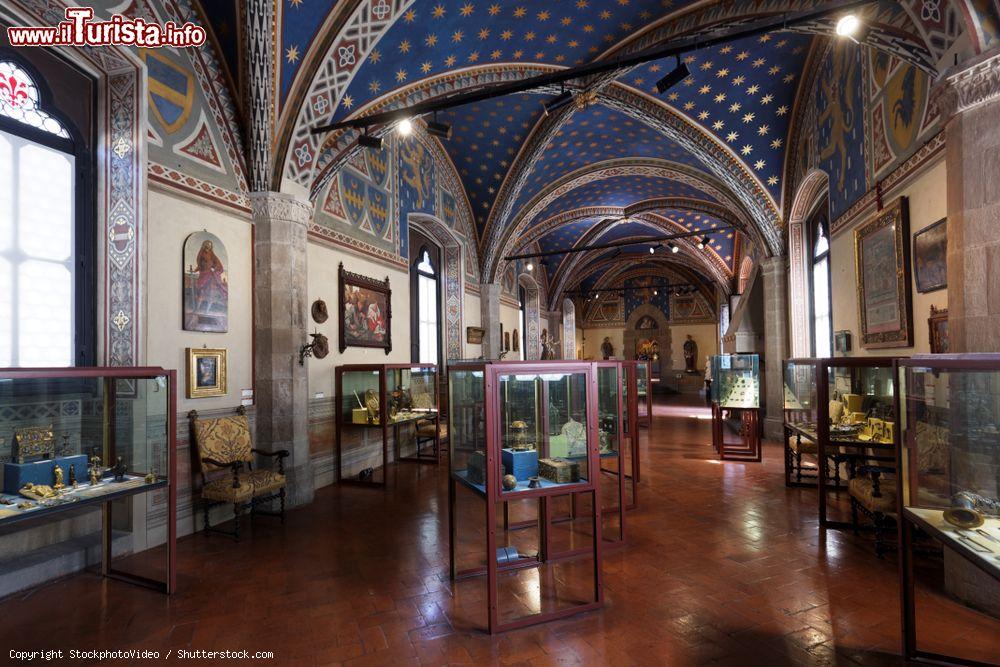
x: 292, y: 54
x: 404, y: 46
x: 438, y: 11
x: 409, y: 16
x: 466, y: 9
x: 457, y: 36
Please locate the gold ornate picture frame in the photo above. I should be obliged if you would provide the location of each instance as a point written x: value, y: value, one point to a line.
x: 882, y: 265
x: 206, y: 372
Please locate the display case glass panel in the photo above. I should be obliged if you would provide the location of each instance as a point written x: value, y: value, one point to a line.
x: 800, y: 393
x: 609, y: 409
x: 861, y: 403
x: 467, y: 424
x: 736, y: 380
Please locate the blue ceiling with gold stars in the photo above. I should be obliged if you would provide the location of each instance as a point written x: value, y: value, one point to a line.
x: 742, y: 93
x: 619, y: 191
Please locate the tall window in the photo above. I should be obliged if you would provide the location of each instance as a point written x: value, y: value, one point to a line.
x: 38, y: 230
x: 425, y: 274
x: 522, y: 304
x: 821, y: 309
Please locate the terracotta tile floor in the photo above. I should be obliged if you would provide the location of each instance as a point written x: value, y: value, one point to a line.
x: 723, y: 565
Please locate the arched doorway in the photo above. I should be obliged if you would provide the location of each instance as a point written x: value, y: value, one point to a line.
x: 647, y: 333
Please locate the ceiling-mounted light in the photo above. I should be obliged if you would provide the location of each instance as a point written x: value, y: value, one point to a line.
x: 851, y: 27
x: 405, y: 127
x: 655, y: 293
x: 557, y: 102
x: 370, y: 141
x: 673, y: 248
x: 703, y: 242
x: 530, y: 266
x: 675, y: 76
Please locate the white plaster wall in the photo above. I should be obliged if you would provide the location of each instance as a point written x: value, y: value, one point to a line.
x: 472, y: 317
x: 170, y: 220
x: 927, y: 204
x: 589, y: 340
x: 705, y: 335
x: 509, y: 318
x: 323, y: 284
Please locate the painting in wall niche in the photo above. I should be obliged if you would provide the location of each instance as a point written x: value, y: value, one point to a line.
x: 882, y: 261
x: 206, y: 372
x: 365, y: 311
x: 930, y: 257
x: 206, y: 284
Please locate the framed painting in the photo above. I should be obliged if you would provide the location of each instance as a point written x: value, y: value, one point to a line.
x: 474, y: 335
x: 506, y: 341
x: 938, y: 323
x: 206, y: 372
x: 882, y: 264
x: 930, y: 257
x: 365, y: 311
x: 515, y: 341
x: 206, y: 284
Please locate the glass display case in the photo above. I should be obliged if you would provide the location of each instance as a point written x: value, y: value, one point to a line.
x: 614, y: 450
x: 374, y: 400
x: 528, y: 431
x: 800, y: 418
x: 630, y: 430
x: 644, y: 393
x: 949, y: 463
x: 89, y: 469
x: 736, y: 406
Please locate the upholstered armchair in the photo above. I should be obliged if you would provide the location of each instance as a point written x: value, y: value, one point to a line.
x: 226, y: 458
x: 874, y: 495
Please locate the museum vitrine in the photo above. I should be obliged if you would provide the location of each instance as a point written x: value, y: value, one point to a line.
x: 527, y: 431
x: 644, y: 392
x: 949, y: 463
x: 736, y: 406
x: 630, y: 430
x: 800, y: 418
x: 375, y: 401
x: 614, y: 450
x: 89, y: 474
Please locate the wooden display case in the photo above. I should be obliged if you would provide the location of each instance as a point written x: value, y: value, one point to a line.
x: 736, y: 398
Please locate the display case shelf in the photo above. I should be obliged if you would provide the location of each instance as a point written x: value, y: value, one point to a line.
x: 85, y: 439
x: 397, y: 398
x: 948, y: 415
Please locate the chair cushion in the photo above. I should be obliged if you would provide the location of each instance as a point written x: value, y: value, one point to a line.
x: 226, y: 439
x: 862, y: 489
x: 253, y: 484
x: 425, y: 429
x: 806, y: 446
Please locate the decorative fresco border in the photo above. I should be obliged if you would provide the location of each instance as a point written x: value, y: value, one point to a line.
x: 197, y: 188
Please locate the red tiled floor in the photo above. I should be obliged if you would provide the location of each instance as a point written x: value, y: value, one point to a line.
x: 723, y: 565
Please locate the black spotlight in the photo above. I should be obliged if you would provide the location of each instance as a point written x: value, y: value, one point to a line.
x: 439, y: 130
x: 703, y: 242
x: 370, y: 141
x: 557, y: 102
x: 674, y: 77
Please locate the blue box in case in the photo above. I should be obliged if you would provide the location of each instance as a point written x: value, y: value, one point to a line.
x: 521, y: 465
x: 16, y: 475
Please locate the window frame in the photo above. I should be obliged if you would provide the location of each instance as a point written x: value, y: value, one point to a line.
x: 434, y: 255
x: 85, y: 226
x: 819, y: 219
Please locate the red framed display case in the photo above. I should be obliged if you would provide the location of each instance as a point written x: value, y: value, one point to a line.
x: 736, y: 398
x: 855, y: 427
x: 630, y: 428
x: 539, y: 422
x: 374, y: 398
x: 800, y: 418
x: 119, y: 426
x: 644, y: 392
x: 948, y: 458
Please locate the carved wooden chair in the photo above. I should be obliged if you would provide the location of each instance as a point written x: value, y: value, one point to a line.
x: 873, y: 494
x: 224, y: 444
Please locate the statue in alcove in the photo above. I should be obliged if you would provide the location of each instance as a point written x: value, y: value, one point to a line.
x: 690, y: 355
x: 607, y: 349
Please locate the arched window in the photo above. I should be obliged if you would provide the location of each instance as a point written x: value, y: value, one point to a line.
x: 822, y: 317
x: 425, y: 332
x: 45, y: 298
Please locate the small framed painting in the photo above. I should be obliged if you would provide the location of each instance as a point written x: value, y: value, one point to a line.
x: 206, y: 372
x: 365, y: 312
x: 882, y: 262
x: 474, y: 335
x: 930, y: 257
x: 938, y: 322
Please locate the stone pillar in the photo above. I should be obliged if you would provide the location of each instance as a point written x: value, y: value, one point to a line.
x: 971, y: 103
x: 489, y: 305
x: 775, y: 273
x: 282, y: 385
x: 568, y: 329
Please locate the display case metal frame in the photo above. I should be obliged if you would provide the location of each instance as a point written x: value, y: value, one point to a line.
x: 909, y: 521
x: 749, y: 449
x: 853, y: 453
x: 493, y: 494
x: 108, y: 374
x: 384, y: 425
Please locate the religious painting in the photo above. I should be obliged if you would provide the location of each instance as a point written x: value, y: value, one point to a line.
x: 206, y: 284
x: 206, y: 372
x: 938, y: 323
x: 930, y: 257
x: 365, y: 311
x: 516, y: 346
x: 474, y: 335
x: 506, y: 341
x: 882, y: 263
x: 646, y: 322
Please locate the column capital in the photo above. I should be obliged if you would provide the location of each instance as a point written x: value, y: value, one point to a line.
x: 280, y: 206
x: 973, y: 86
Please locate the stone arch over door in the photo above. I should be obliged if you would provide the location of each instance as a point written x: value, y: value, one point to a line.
x: 568, y: 329
x: 633, y: 335
x: 532, y: 317
x: 813, y: 188
x: 452, y: 274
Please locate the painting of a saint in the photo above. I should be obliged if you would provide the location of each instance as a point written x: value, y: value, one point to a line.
x: 206, y: 284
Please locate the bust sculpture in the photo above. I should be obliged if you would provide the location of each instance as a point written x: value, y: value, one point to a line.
x: 690, y: 355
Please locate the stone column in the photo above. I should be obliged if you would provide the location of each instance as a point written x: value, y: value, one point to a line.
x: 971, y: 103
x: 775, y: 273
x: 489, y: 305
x: 282, y: 385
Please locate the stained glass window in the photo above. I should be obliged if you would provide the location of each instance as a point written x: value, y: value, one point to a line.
x: 19, y: 100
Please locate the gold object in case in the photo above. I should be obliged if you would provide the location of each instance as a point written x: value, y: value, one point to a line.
x: 32, y: 442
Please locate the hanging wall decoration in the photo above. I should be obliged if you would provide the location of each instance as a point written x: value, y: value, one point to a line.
x: 365, y: 311
x: 882, y: 263
x: 930, y: 257
x: 206, y: 284
x: 206, y: 372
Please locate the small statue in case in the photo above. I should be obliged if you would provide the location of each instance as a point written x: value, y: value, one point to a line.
x: 119, y: 470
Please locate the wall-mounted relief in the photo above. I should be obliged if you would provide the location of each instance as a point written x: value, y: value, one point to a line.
x: 206, y: 284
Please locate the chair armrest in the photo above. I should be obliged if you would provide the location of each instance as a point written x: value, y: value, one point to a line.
x: 236, y: 466
x: 283, y: 453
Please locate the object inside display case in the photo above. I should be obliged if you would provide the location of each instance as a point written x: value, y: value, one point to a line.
x: 861, y: 404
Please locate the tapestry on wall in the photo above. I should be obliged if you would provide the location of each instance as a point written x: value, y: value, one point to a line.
x: 206, y: 284
x: 883, y: 273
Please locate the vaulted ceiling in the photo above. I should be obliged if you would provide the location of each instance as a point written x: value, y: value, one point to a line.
x: 622, y: 162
